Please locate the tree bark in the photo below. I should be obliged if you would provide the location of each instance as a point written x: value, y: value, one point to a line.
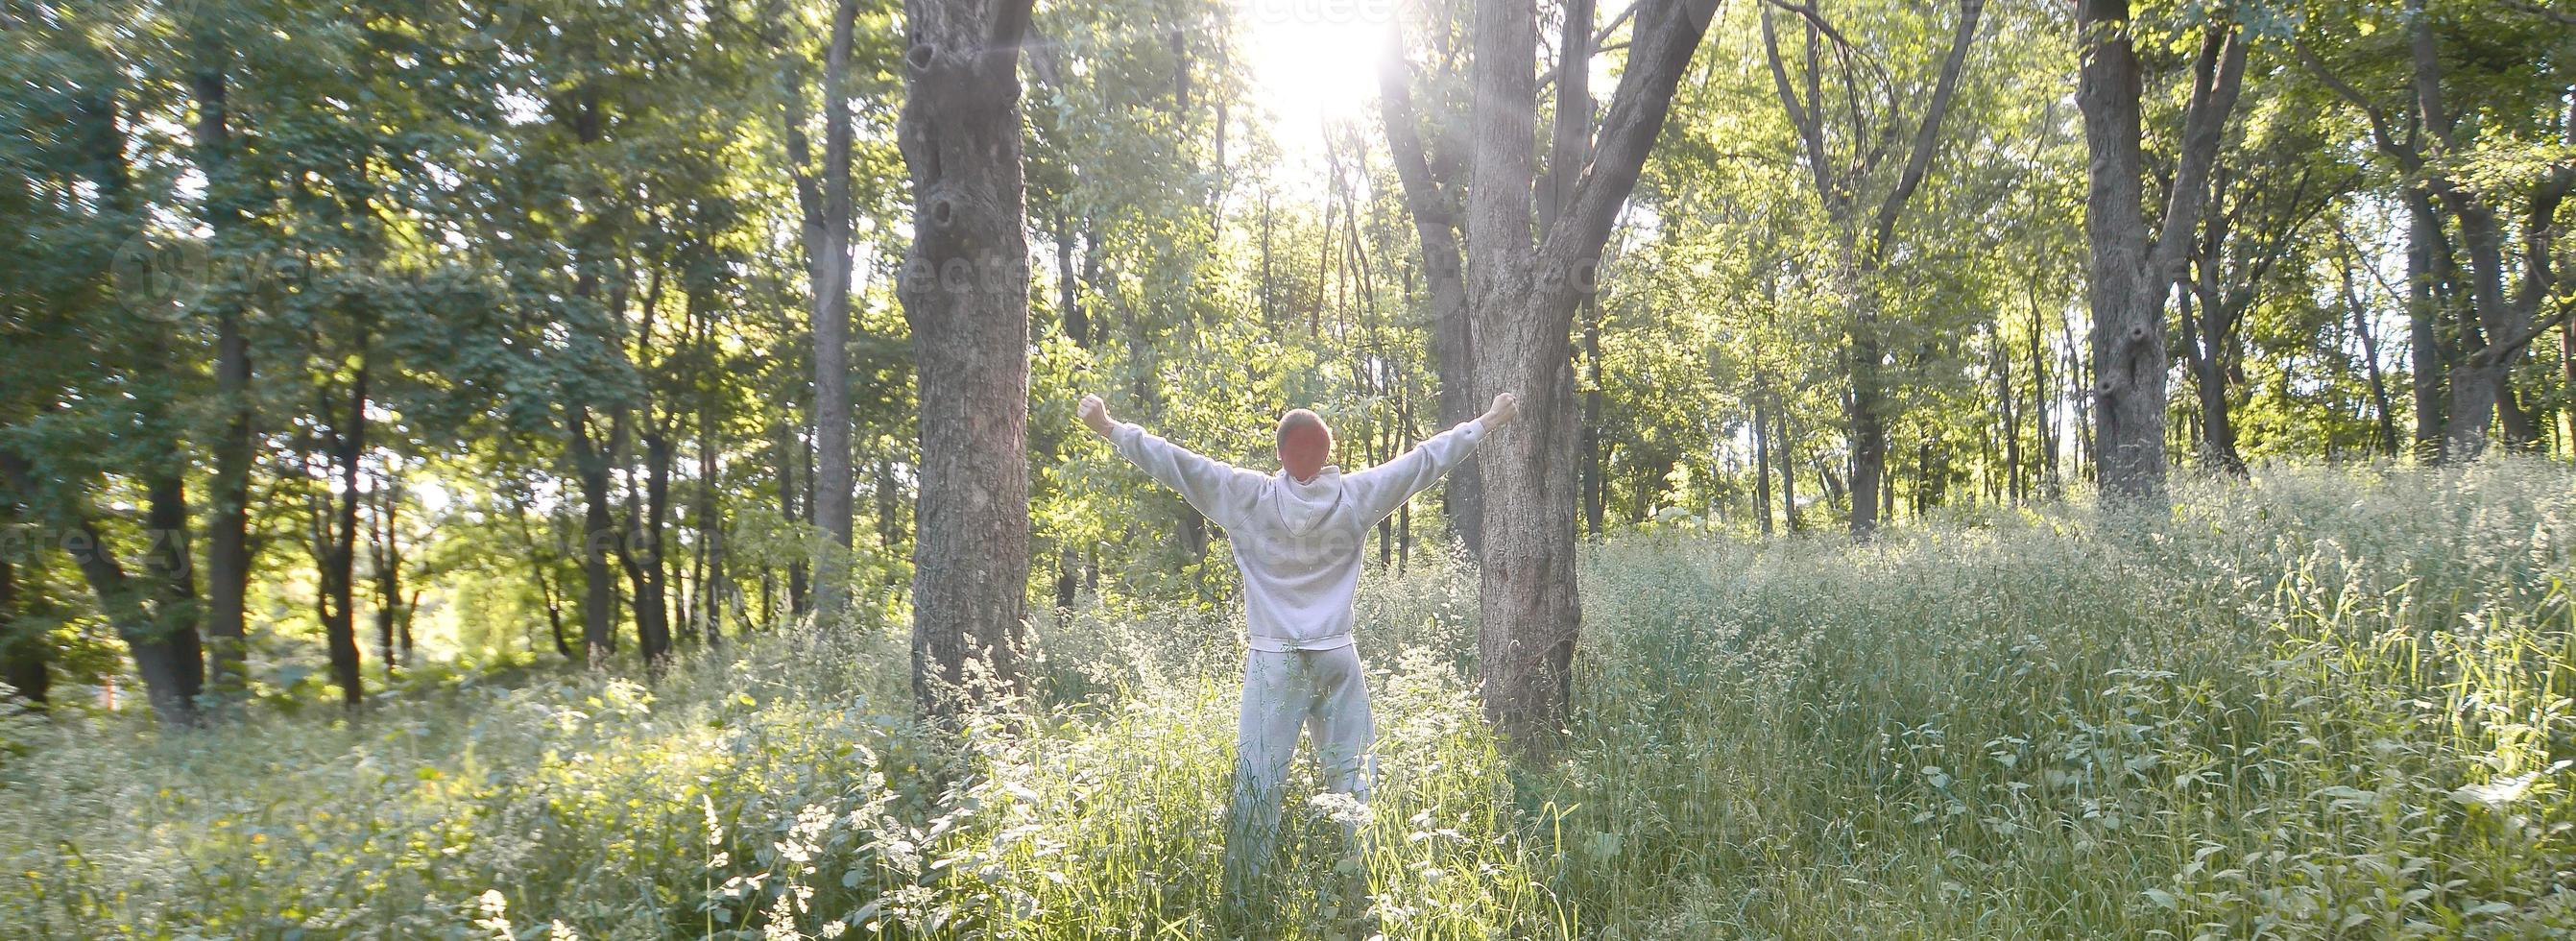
x: 2423, y: 318
x: 1786, y: 452
x: 2386, y: 417
x: 387, y: 563
x: 1595, y: 490
x: 2203, y: 339
x: 965, y: 293
x: 2008, y: 407
x: 598, y: 534
x: 171, y: 662
x: 641, y: 552
x: 1762, y: 460
x: 711, y: 529
x: 789, y: 451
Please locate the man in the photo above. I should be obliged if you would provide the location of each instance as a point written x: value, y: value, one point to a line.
x: 1298, y: 537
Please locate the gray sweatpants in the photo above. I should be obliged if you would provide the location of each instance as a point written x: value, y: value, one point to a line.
x: 1324, y: 692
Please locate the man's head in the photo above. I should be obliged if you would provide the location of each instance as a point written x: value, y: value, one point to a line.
x: 1305, y: 443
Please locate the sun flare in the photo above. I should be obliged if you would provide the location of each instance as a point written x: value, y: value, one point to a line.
x: 1314, y: 62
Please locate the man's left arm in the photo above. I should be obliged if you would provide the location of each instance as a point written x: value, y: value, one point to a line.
x: 1388, y: 485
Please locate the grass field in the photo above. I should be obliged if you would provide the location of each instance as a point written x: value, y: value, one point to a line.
x: 2325, y: 704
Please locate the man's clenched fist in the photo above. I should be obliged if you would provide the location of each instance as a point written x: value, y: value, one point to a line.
x: 1095, y: 415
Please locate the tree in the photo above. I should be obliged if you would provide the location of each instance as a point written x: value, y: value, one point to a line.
x: 965, y: 291
x: 829, y: 221
x: 1432, y: 191
x: 2133, y: 266
x: 2262, y: 199
x: 228, y: 550
x: 92, y: 398
x: 1525, y: 277
x: 1864, y: 228
x: 2458, y: 167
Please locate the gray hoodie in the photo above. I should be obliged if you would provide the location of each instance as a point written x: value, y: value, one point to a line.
x: 1299, y: 543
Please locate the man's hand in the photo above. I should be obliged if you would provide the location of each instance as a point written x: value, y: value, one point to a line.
x: 1095, y: 415
x: 1506, y: 407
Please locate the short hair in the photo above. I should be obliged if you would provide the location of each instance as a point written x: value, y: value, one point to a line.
x: 1299, y: 419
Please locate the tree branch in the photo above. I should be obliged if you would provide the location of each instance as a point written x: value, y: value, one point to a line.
x: 1422, y: 192
x: 1808, y: 12
x: 2541, y: 11
x: 1503, y: 122
x: 2379, y: 131
x: 1927, y: 137
x: 1603, y: 34
x: 2428, y: 73
x: 1570, y: 141
x: 1809, y: 125
x: 1010, y: 25
x: 2218, y: 76
x: 2495, y: 353
x: 1668, y: 33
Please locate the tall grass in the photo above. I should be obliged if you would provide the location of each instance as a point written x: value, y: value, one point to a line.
x: 2323, y: 704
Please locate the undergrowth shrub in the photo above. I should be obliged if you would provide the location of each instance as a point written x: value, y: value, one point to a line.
x: 2323, y: 703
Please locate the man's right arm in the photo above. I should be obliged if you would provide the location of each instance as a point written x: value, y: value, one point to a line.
x: 1200, y: 479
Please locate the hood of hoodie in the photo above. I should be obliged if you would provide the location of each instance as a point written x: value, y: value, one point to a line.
x: 1303, y: 506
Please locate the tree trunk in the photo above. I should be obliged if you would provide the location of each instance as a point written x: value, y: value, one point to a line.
x: 2386, y: 417
x: 1762, y: 460
x: 23, y: 649
x: 834, y: 479
x: 2216, y: 430
x: 2423, y: 318
x: 598, y: 535
x: 171, y: 663
x: 711, y: 529
x: 1786, y: 451
x: 2128, y: 333
x: 1868, y: 415
x: 228, y: 552
x: 2567, y: 383
x: 790, y: 455
x: 2042, y: 393
x: 336, y: 542
x: 965, y: 293
x: 647, y: 571
x: 387, y: 563
x: 1595, y: 492
x: 2481, y: 386
x: 1075, y: 323
x: 2008, y: 406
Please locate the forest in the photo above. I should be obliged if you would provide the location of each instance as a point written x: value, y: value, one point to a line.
x: 1984, y: 468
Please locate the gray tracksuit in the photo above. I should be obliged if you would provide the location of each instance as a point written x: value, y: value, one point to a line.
x: 1299, y: 545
